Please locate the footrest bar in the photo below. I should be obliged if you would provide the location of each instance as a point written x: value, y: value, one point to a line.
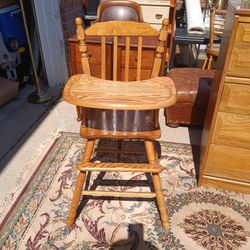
x: 119, y: 167
x: 120, y: 194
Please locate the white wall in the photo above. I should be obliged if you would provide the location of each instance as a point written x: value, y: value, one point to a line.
x: 51, y: 36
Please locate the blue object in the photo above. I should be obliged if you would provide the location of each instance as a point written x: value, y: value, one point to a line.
x: 11, y: 24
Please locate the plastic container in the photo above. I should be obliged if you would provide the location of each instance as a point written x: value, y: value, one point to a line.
x: 11, y: 24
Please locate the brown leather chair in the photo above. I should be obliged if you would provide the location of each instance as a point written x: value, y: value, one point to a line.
x: 119, y: 10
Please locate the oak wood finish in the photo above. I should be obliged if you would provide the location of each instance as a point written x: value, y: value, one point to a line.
x: 239, y: 64
x: 235, y: 98
x: 225, y: 138
x: 127, y: 58
x: 120, y: 167
x: 237, y: 80
x: 232, y: 129
x: 79, y: 183
x: 103, y: 70
x: 143, y: 97
x: 228, y: 163
x: 94, y: 51
x: 217, y: 22
x: 153, y: 159
x: 119, y: 194
x: 92, y: 133
x: 116, y: 28
x: 91, y: 92
x: 227, y: 184
x: 139, y: 58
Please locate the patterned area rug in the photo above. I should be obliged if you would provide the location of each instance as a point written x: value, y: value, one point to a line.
x: 201, y: 218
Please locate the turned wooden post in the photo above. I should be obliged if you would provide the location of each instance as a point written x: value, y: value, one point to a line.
x: 160, y: 48
x: 152, y: 159
x: 82, y: 45
x: 79, y: 183
x: 84, y: 56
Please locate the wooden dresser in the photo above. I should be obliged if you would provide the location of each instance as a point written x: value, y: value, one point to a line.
x: 225, y: 153
x: 154, y: 11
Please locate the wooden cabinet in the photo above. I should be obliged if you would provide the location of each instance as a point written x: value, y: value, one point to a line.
x: 154, y: 12
x: 239, y: 64
x: 225, y: 152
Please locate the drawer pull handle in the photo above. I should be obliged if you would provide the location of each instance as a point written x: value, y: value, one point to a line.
x: 158, y: 16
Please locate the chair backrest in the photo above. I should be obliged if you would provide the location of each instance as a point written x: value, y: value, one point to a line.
x: 119, y: 10
x: 219, y: 4
x: 217, y: 22
x: 115, y: 32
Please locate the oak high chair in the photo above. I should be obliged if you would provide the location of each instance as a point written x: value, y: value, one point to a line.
x: 97, y: 98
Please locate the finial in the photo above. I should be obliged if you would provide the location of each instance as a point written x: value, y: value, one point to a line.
x: 165, y: 22
x: 78, y: 21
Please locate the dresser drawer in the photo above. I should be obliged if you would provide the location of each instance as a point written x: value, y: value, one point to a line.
x: 147, y: 59
x: 232, y: 130
x: 239, y: 64
x: 94, y: 51
x: 145, y: 74
x: 236, y: 98
x: 154, y: 14
x: 229, y: 163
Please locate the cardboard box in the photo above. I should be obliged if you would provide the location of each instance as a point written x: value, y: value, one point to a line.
x: 8, y: 90
x: 4, y: 3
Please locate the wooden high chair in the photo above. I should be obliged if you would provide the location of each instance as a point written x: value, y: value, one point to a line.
x: 217, y: 22
x: 97, y: 99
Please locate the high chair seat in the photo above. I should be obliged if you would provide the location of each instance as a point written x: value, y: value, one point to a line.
x: 115, y: 102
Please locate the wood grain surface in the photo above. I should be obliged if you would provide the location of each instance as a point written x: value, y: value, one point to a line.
x: 225, y: 148
x: 117, y: 28
x: 236, y: 99
x: 90, y: 92
x: 240, y: 60
x: 229, y: 163
x: 119, y: 167
x: 232, y: 130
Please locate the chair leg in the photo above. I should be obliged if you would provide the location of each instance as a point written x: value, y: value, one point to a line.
x: 210, y: 62
x: 160, y: 200
x: 79, y: 184
x: 152, y: 158
x: 205, y: 63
